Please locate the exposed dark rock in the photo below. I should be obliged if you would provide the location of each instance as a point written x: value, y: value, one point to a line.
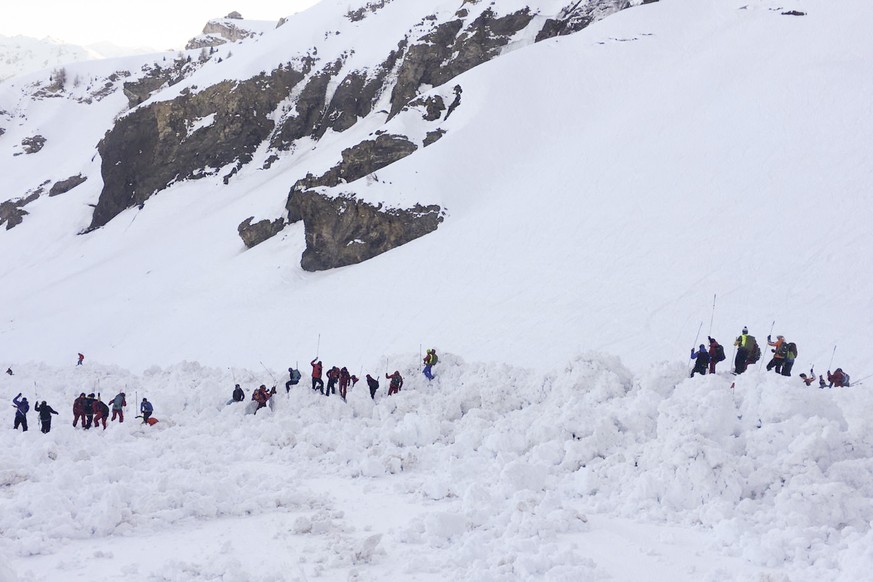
x: 433, y: 107
x: 446, y: 52
x: 151, y: 147
x: 794, y: 13
x: 234, y: 15
x: 33, y: 144
x: 345, y: 231
x: 579, y: 15
x: 456, y: 101
x: 140, y: 90
x: 361, y: 13
x: 310, y: 113
x: 2, y: 131
x: 12, y: 212
x: 255, y: 234
x: 64, y: 186
x: 357, y: 162
x: 433, y: 136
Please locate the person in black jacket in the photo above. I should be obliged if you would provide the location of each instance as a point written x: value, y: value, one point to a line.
x: 88, y: 409
x: 21, y: 408
x: 45, y: 416
x: 238, y: 394
x: 373, y: 385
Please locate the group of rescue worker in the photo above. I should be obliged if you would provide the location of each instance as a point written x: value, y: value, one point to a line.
x: 748, y: 352
x: 90, y: 410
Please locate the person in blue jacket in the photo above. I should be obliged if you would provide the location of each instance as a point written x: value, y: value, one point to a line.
x: 146, y: 408
x: 22, y: 407
x: 702, y: 360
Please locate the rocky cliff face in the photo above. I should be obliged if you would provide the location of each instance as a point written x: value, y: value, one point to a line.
x: 341, y: 230
x: 200, y: 132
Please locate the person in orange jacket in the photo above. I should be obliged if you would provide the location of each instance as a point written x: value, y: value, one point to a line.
x: 779, y: 351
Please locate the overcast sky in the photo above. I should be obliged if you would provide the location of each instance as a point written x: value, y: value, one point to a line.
x: 160, y: 24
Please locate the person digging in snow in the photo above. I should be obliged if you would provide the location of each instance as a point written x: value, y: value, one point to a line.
x: 146, y: 409
x: 317, y: 382
x: 373, y: 384
x: 101, y: 412
x: 238, y: 394
x: 79, y: 409
x: 118, y: 404
x: 21, y: 407
x: 45, y: 416
x: 396, y: 382
x: 701, y: 357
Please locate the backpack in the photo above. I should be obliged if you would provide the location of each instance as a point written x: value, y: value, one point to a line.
x: 433, y: 359
x: 792, y: 351
x: 295, y: 376
x: 754, y: 355
x: 719, y: 353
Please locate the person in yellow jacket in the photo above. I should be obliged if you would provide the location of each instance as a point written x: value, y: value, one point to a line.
x: 741, y: 361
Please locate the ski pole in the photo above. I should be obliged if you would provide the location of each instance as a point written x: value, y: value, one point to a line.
x: 772, y: 325
x: 694, y: 346
x: 832, y: 358
x: 713, y: 315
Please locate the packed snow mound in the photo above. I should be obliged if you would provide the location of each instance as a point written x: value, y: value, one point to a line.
x: 506, y: 462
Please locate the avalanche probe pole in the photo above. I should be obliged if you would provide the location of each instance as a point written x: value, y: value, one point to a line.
x: 713, y: 315
x: 318, y: 346
x: 829, y: 365
x: 761, y: 363
x: 269, y: 372
x: 694, y: 346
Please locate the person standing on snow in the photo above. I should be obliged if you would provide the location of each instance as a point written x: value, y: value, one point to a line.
x: 332, y: 377
x: 238, y: 394
x: 344, y: 379
x: 21, y: 408
x: 373, y: 384
x: 396, y: 382
x: 716, y: 354
x: 9, y: 371
x: 702, y: 359
x: 118, y: 404
x: 317, y: 382
x: 45, y: 416
x: 90, y: 402
x: 779, y: 350
x: 79, y: 409
x: 741, y: 361
x: 430, y: 361
x: 81, y: 359
x: 790, y: 356
x: 101, y: 412
x: 146, y: 409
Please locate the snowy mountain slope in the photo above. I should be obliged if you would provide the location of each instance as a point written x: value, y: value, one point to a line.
x: 679, y: 148
x: 21, y: 55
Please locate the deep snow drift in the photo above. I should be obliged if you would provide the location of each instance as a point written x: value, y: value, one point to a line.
x: 488, y: 473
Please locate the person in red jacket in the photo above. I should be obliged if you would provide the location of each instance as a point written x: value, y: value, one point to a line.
x: 344, y: 379
x: 81, y: 359
x: 101, y: 411
x: 839, y: 378
x: 396, y: 382
x: 317, y: 382
x: 79, y: 409
x: 713, y: 354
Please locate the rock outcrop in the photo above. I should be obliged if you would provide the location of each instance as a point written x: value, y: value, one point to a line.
x: 344, y: 231
x: 64, y: 186
x: 12, y: 212
x: 254, y: 234
x: 32, y: 144
x: 357, y: 162
x: 189, y: 137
